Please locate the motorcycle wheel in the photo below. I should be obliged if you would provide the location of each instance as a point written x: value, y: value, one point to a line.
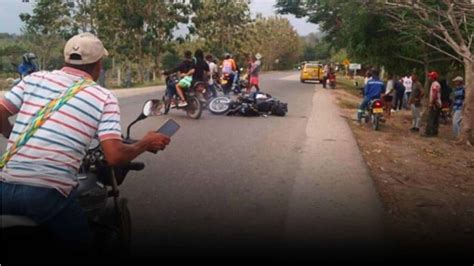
x: 376, y: 122
x: 167, y: 101
x: 194, y: 108
x: 219, y: 105
x: 367, y: 118
x: 115, y: 230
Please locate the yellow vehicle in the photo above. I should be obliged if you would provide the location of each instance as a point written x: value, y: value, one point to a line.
x: 311, y: 71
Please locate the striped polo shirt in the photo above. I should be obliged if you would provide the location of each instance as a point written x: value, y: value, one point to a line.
x: 53, y: 155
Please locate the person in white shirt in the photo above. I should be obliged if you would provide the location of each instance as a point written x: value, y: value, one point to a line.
x: 407, y: 82
x: 213, y: 73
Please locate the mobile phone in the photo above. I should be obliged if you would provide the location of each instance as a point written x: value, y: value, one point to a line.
x: 169, y: 128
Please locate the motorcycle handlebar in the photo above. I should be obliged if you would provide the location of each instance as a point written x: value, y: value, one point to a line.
x: 136, y: 166
x: 130, y: 141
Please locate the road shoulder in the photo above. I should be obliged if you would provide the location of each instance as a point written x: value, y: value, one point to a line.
x: 333, y: 198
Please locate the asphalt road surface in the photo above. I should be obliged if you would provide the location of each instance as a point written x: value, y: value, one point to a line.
x: 276, y: 184
x: 289, y: 182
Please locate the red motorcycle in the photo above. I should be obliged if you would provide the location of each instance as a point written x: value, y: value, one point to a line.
x: 374, y: 113
x: 332, y: 81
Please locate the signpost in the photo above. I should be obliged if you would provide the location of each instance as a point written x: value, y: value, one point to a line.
x: 346, y: 64
x: 355, y: 67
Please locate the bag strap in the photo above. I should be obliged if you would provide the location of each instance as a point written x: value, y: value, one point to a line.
x: 42, y: 116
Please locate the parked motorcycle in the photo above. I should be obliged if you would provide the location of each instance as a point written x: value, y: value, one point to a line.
x: 99, y: 196
x: 194, y: 107
x: 374, y: 113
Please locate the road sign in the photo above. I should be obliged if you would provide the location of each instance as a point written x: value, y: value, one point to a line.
x: 346, y: 62
x: 355, y: 66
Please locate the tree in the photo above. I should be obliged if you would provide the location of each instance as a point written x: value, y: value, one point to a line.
x: 46, y: 28
x: 450, y: 22
x: 137, y: 32
x: 222, y: 24
x: 415, y: 32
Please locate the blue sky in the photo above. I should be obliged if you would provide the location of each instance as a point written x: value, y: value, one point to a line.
x: 11, y: 23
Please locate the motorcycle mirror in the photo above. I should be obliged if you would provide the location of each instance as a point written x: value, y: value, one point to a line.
x: 150, y: 108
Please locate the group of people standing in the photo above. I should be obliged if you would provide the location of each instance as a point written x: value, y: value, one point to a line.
x: 408, y: 93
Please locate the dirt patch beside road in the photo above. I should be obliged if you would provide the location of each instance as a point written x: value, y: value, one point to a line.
x: 426, y: 184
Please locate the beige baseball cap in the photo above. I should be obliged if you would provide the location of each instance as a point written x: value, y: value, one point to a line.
x: 458, y: 78
x: 86, y: 48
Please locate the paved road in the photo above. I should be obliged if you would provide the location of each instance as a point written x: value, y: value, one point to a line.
x: 295, y: 182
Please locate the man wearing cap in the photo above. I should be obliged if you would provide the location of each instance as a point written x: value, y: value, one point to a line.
x: 459, y: 95
x: 38, y: 178
x: 434, y: 105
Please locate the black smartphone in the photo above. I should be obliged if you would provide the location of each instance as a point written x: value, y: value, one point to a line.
x: 169, y: 128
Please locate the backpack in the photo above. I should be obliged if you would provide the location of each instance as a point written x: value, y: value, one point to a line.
x: 279, y: 108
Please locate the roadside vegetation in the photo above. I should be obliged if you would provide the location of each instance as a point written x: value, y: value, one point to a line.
x: 144, y: 37
x: 401, y: 37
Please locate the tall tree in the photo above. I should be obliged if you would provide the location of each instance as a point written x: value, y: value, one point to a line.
x: 49, y: 24
x: 410, y: 30
x: 221, y: 24
x: 450, y: 22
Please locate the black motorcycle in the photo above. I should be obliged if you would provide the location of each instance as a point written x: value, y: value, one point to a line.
x: 254, y: 104
x: 98, y: 194
x: 194, y: 105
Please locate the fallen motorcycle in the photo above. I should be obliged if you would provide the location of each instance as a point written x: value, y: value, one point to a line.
x: 248, y: 105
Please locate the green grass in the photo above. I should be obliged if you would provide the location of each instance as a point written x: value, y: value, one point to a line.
x: 348, y: 84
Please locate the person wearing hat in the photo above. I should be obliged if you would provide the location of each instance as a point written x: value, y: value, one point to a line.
x: 38, y: 174
x: 28, y: 65
x: 434, y: 105
x: 459, y: 95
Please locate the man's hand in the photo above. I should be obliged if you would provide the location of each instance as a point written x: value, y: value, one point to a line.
x: 155, y: 141
x: 118, y: 153
x: 5, y: 126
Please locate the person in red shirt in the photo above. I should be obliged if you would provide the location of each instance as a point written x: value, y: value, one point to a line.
x: 434, y: 106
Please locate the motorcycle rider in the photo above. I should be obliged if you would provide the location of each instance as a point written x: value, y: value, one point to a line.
x: 201, y: 68
x: 39, y: 173
x: 229, y: 67
x: 185, y: 70
x: 28, y: 66
x: 372, y: 91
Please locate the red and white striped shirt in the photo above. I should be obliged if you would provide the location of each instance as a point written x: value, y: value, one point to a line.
x: 53, y: 155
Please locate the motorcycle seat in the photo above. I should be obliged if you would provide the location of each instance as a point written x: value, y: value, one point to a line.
x: 8, y: 221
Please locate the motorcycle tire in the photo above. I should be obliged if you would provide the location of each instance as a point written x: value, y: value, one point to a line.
x: 376, y: 122
x: 219, y: 105
x: 367, y: 118
x: 114, y: 230
x: 194, y: 108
